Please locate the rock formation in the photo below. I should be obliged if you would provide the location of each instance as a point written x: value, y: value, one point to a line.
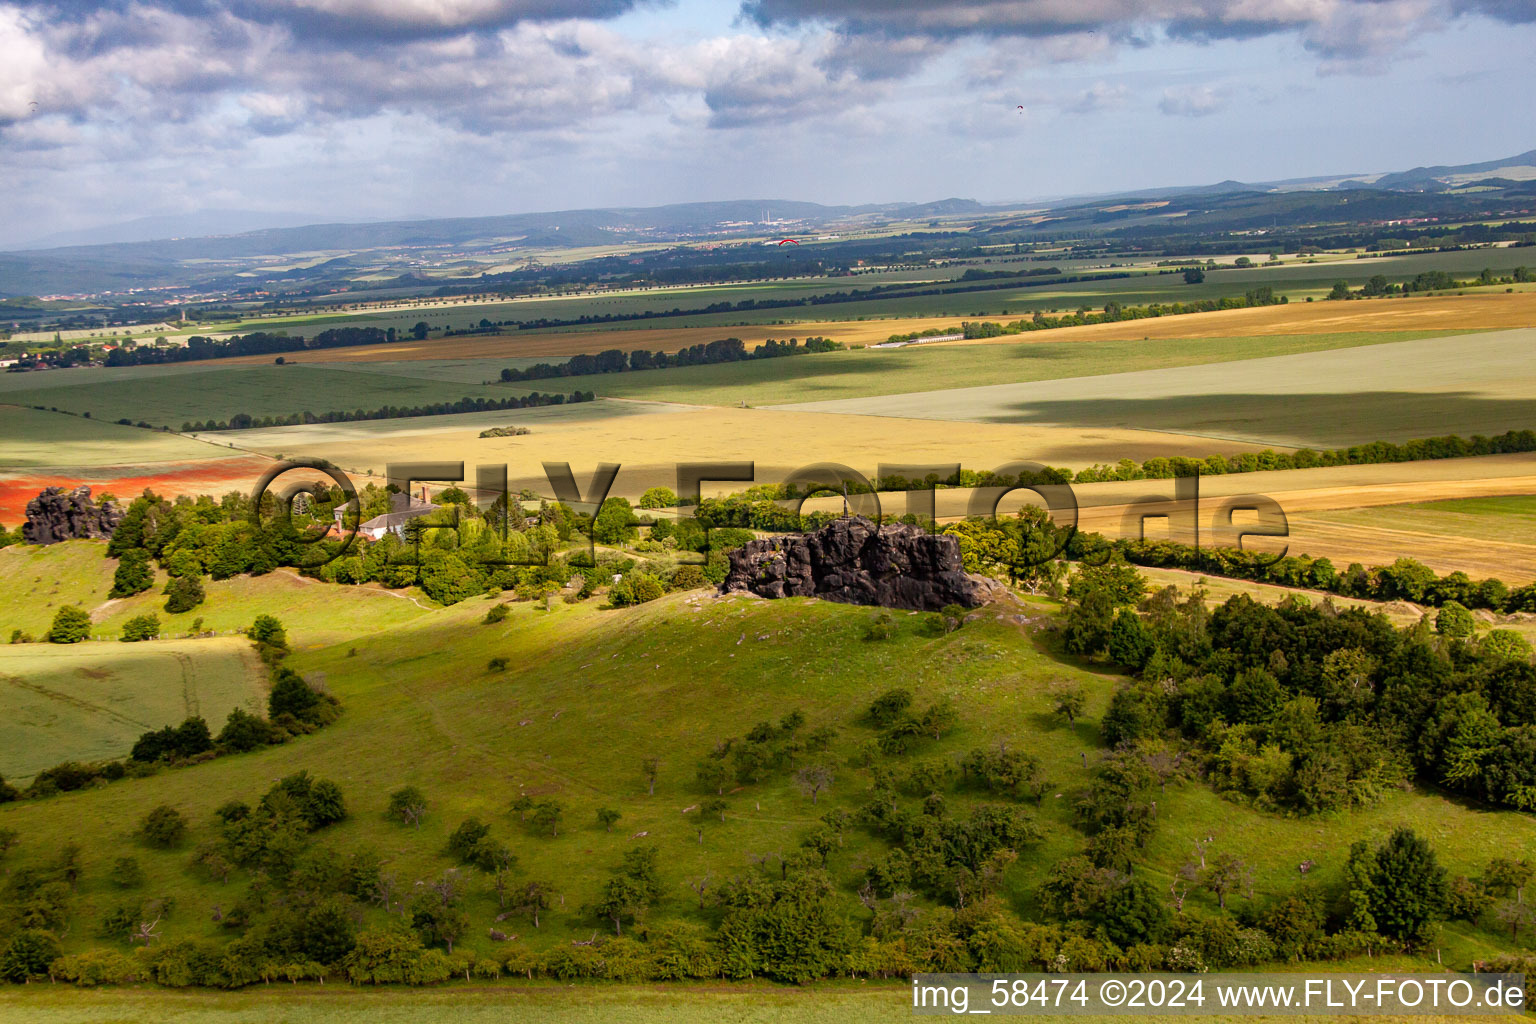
x: 57, y: 514
x: 853, y: 561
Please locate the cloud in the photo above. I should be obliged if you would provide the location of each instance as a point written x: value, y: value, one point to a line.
x: 1336, y: 30
x: 1193, y: 100
x: 1098, y: 96
x: 350, y: 23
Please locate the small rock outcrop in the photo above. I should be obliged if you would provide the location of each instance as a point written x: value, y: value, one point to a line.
x: 57, y: 514
x: 853, y: 561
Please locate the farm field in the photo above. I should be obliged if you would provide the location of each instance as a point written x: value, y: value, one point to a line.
x: 1480, y: 383
x: 1484, y: 310
x: 422, y: 709
x: 35, y: 438
x: 1296, y: 278
x: 1480, y: 536
x: 218, y: 475
x: 174, y: 399
x: 90, y: 701
x: 1475, y: 519
x: 867, y: 374
x: 1313, y: 498
x: 649, y: 438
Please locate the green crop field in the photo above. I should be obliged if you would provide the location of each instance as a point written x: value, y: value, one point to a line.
x: 866, y: 374
x: 34, y: 438
x: 90, y: 701
x: 1480, y: 383
x: 169, y: 400
x: 589, y: 694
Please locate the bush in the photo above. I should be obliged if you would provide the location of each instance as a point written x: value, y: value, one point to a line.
x: 243, y: 732
x: 497, y: 613
x: 1453, y: 619
x: 393, y: 957
x: 141, y: 627
x: 890, y: 707
x: 134, y: 574
x: 881, y: 627
x: 183, y: 593
x: 687, y: 577
x: 658, y: 497
x: 96, y: 967
x: 125, y: 873
x: 291, y: 695
x: 28, y: 955
x: 267, y: 630
x: 635, y: 588
x: 164, y: 827
x: 70, y: 626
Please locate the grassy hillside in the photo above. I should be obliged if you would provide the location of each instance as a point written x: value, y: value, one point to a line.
x: 590, y: 694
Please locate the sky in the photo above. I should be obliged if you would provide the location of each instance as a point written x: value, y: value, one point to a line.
x: 111, y: 110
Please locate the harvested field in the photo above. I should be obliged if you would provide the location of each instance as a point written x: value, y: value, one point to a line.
x: 1477, y: 383
x: 649, y: 443
x: 1312, y: 499
x: 1430, y: 313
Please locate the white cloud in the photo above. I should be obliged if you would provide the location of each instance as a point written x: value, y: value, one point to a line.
x: 1193, y: 100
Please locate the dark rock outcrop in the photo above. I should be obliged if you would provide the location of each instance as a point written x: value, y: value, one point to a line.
x: 853, y: 561
x: 57, y: 514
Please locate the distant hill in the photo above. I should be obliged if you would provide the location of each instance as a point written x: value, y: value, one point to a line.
x: 192, y: 225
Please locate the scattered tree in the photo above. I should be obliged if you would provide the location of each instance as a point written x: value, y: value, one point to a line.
x: 812, y: 779
x: 407, y: 806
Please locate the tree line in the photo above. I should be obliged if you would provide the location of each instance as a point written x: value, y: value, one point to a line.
x: 257, y: 343
x: 1113, y: 312
x: 244, y: 421
x: 725, y: 350
x: 1377, y: 286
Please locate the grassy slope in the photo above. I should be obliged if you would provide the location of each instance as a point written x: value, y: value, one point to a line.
x: 40, y: 580
x: 591, y: 693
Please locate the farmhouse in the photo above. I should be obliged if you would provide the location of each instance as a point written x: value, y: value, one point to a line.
x: 403, y: 508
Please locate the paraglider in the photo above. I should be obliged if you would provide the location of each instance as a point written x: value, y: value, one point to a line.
x: 788, y: 241
x: 1021, y: 108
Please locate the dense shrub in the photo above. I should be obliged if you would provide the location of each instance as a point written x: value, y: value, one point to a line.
x: 141, y: 627
x: 70, y: 626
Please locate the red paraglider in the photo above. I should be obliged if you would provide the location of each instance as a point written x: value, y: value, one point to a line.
x: 788, y: 241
